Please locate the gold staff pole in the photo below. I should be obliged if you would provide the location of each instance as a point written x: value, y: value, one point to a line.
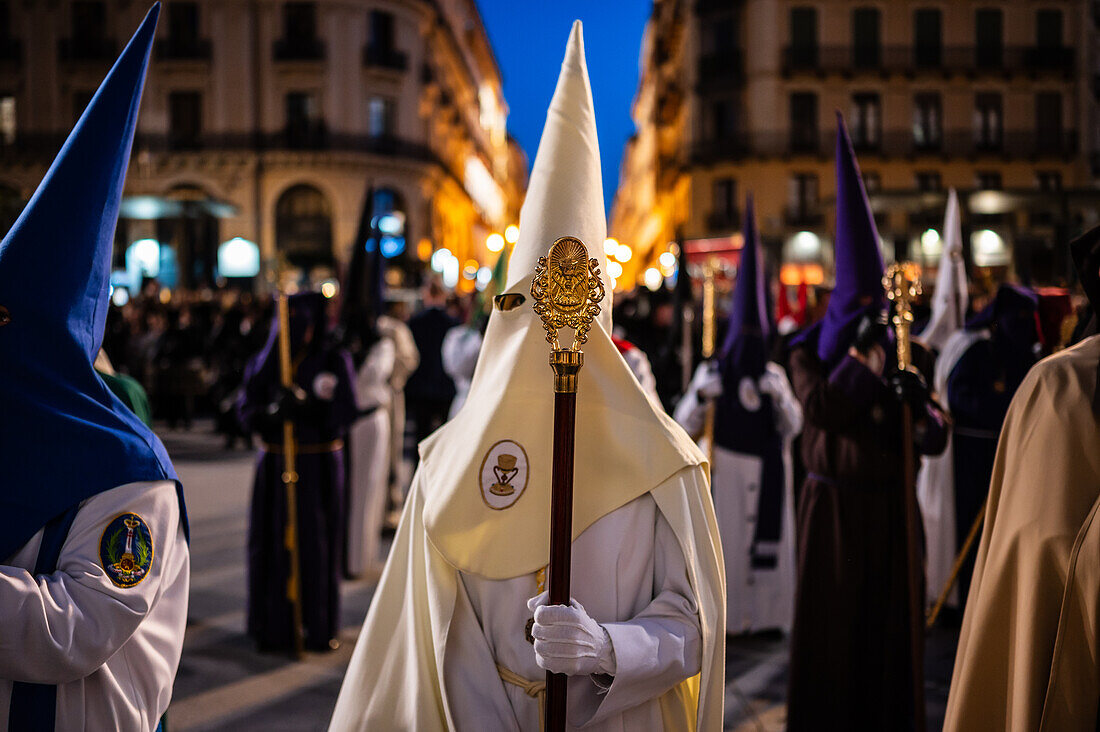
x: 902, y: 283
x: 567, y: 291
x: 290, y: 482
x: 710, y: 331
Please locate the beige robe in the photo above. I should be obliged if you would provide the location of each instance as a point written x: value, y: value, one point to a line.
x: 1028, y: 658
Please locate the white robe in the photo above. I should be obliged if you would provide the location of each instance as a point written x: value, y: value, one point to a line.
x: 406, y: 359
x: 424, y: 663
x: 755, y: 599
x: 936, y: 481
x: 112, y: 651
x: 461, y: 347
x: 629, y: 574
x: 369, y: 442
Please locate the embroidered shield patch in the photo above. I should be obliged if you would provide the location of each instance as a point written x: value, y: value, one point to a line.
x: 126, y: 550
x: 503, y: 474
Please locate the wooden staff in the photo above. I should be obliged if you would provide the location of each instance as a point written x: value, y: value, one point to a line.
x: 902, y: 283
x: 290, y: 483
x: 567, y: 290
x: 934, y: 613
x: 710, y: 332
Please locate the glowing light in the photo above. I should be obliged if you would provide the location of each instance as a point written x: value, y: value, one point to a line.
x: 391, y: 246
x: 806, y: 244
x: 329, y: 289
x: 440, y: 257
x: 494, y: 242
x: 144, y: 256
x: 989, y: 248
x: 610, y: 246
x: 469, y: 270
x: 484, y: 277
x: 614, y: 284
x: 238, y: 257
x: 392, y: 223
x: 794, y: 273
x: 120, y: 296
x: 165, y: 296
x: 483, y: 188
x: 424, y: 249
x: 623, y: 253
x: 450, y: 271
x: 667, y: 260
x: 511, y: 234
x: 654, y: 278
x: 615, y: 270
x: 930, y: 243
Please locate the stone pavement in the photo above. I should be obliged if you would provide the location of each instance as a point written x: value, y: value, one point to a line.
x: 224, y: 684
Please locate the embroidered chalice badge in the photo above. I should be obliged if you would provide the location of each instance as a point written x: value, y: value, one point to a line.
x: 504, y: 470
x: 503, y: 474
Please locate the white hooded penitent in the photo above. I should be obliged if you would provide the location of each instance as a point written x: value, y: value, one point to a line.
x: 479, y: 505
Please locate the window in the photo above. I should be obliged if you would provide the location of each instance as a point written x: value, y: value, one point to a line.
x: 380, y: 117
x: 299, y: 21
x: 5, y: 20
x: 803, y: 111
x: 7, y: 119
x: 183, y: 22
x: 723, y: 119
x: 303, y: 226
x: 927, y: 38
x: 1048, y: 29
x: 1048, y: 180
x: 928, y: 181
x: 987, y: 121
x: 1048, y: 122
x: 304, y: 127
x: 381, y: 31
x: 801, y: 196
x: 927, y: 121
x: 988, y: 38
x: 725, y: 200
x: 184, y: 120
x: 988, y: 181
x: 866, y: 45
x: 865, y: 123
x: 803, y: 50
x: 81, y: 99
x: 88, y: 31
x: 720, y: 35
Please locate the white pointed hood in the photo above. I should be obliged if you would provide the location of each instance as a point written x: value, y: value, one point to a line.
x: 502, y: 437
x: 951, y: 296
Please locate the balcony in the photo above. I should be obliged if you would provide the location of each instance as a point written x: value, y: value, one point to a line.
x: 87, y: 49
x: 385, y: 58
x: 723, y: 221
x: 723, y: 69
x: 711, y: 151
x: 183, y: 49
x: 911, y: 60
x: 299, y: 49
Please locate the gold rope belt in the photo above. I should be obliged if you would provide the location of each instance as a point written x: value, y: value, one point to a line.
x: 308, y: 449
x: 533, y: 689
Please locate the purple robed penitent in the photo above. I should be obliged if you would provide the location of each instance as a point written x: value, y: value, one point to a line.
x: 319, y: 426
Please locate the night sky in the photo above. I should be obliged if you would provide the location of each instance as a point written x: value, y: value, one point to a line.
x: 529, y: 37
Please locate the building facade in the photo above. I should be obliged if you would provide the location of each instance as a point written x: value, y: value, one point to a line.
x: 270, y: 123
x: 996, y: 99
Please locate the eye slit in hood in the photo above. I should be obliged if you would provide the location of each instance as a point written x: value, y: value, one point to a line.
x: 509, y: 301
x: 5, y: 316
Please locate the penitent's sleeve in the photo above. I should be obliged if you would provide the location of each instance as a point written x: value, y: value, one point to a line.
x: 61, y: 627
x: 659, y: 647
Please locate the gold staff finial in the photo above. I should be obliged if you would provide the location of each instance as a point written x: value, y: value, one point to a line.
x: 567, y: 290
x: 902, y: 284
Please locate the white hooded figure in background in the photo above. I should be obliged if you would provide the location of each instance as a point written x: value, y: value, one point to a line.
x: 945, y: 333
x: 444, y: 644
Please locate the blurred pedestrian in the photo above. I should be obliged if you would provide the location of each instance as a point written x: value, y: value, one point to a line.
x: 430, y: 390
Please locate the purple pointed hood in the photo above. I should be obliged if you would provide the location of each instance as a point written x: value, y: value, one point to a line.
x: 745, y: 350
x: 859, y: 265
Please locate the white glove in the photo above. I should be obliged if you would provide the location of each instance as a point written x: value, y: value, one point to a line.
x: 324, y: 386
x: 770, y: 383
x: 707, y: 381
x: 568, y: 641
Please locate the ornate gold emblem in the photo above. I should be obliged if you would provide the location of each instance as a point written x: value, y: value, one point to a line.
x: 902, y: 284
x: 567, y: 290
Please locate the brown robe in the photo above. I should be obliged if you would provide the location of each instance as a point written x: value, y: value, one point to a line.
x: 850, y: 657
x: 1029, y: 654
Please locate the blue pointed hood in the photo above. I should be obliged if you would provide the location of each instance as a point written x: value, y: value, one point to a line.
x: 64, y: 436
x: 859, y: 265
x: 745, y: 349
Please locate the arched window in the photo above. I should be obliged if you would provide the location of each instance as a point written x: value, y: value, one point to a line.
x: 303, y: 226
